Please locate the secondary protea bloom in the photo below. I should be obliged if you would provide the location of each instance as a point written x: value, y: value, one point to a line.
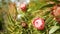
x: 23, y: 7
x: 23, y: 24
x: 38, y: 23
x: 56, y: 12
x: 21, y: 4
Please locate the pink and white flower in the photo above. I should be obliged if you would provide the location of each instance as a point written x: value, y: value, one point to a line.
x: 38, y: 23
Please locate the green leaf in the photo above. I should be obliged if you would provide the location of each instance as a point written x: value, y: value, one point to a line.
x: 53, y: 29
x: 48, y: 19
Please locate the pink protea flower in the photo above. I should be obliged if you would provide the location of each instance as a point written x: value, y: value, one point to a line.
x: 38, y: 23
x: 23, y: 7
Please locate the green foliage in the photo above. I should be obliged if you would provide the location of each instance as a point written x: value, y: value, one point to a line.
x: 53, y: 29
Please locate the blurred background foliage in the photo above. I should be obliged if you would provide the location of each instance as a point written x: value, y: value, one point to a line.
x: 9, y: 12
